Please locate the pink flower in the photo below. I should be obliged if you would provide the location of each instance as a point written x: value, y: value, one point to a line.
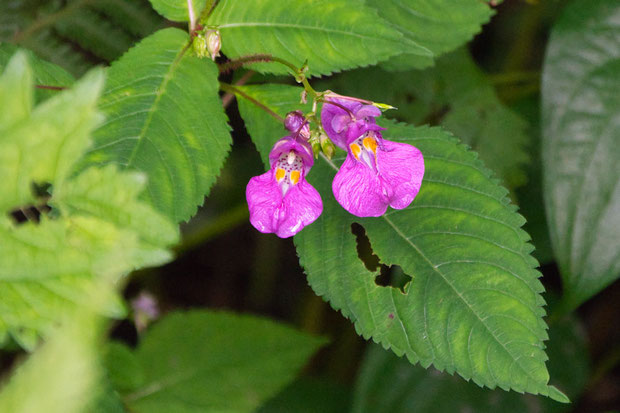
x: 281, y: 201
x: 377, y: 172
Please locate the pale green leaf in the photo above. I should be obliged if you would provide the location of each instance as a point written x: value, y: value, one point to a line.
x: 332, y: 35
x: 581, y: 135
x: 389, y: 384
x: 204, y: 361
x: 61, y: 376
x: 44, y: 73
x: 164, y: 118
x: 439, y: 25
x: 113, y: 197
x: 44, y: 148
x: 177, y: 10
x: 474, y: 305
x: 16, y: 92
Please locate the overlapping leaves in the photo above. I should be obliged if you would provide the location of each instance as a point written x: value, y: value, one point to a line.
x: 332, y: 35
x: 581, y: 120
x: 439, y: 25
x: 96, y: 229
x: 164, y: 118
x: 474, y: 305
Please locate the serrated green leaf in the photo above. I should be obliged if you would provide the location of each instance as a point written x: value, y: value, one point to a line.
x: 439, y: 25
x: 44, y: 73
x: 332, y: 35
x: 474, y: 305
x: 389, y: 384
x: 164, y: 118
x: 177, y: 10
x: 124, y: 370
x: 113, y: 197
x: 44, y: 148
x: 456, y: 94
x: 581, y: 120
x: 201, y: 361
x: 97, y: 229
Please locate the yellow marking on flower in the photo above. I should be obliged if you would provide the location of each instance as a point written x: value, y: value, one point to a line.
x: 355, y: 148
x: 295, y: 175
x: 280, y: 174
x: 370, y: 144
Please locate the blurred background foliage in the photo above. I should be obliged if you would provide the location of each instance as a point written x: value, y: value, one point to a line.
x: 488, y: 94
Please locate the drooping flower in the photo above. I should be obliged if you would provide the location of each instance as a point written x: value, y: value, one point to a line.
x: 377, y: 172
x: 281, y: 201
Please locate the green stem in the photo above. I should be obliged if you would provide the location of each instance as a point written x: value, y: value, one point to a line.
x: 208, y: 9
x: 232, y: 89
x: 213, y: 228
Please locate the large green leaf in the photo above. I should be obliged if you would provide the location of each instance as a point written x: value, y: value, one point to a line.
x: 332, y: 35
x: 164, y: 118
x: 439, y: 25
x: 474, y: 305
x: 204, y: 361
x: 581, y: 146
x: 97, y: 227
x: 310, y: 395
x: 389, y: 384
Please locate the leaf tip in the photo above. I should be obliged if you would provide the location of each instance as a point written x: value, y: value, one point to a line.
x: 557, y: 395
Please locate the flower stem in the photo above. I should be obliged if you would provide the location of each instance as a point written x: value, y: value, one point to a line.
x: 232, y: 89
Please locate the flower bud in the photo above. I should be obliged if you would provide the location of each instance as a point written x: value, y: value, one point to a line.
x: 327, y: 146
x: 214, y: 42
x: 315, y: 143
x: 297, y: 123
x: 199, y: 45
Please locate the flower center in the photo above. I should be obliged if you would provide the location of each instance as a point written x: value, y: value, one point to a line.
x: 288, y: 170
x: 364, y: 149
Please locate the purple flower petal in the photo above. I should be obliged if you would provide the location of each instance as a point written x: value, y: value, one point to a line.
x: 338, y: 123
x: 365, y: 185
x: 270, y: 212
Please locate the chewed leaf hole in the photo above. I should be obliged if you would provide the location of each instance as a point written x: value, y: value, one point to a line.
x: 389, y: 276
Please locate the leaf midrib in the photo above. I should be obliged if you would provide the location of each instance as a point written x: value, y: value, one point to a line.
x: 158, y: 96
x: 516, y: 360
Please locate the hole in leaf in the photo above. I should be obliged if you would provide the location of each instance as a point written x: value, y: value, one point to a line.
x: 33, y: 212
x: 389, y: 276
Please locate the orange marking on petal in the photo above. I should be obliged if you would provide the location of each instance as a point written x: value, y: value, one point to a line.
x: 370, y: 144
x: 280, y: 174
x: 295, y: 175
x: 355, y: 148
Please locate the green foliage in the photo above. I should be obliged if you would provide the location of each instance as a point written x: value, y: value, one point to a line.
x: 309, y: 395
x: 389, y: 384
x: 164, y: 118
x: 47, y: 267
x: 176, y: 10
x: 44, y: 73
x: 456, y: 94
x: 61, y: 376
x: 474, y: 305
x: 210, y: 361
x: 439, y: 25
x: 581, y: 119
x: 75, y: 34
x: 332, y: 35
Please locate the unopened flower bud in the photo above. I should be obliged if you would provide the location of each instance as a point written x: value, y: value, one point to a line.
x: 297, y: 123
x: 199, y: 45
x: 327, y: 146
x: 214, y: 42
x: 315, y: 143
